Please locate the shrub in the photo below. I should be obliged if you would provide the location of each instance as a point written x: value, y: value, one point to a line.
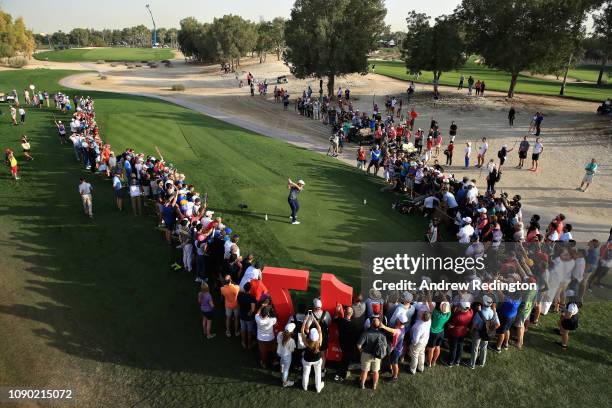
x: 17, y: 62
x: 87, y: 83
x: 130, y: 66
x: 100, y: 62
x: 153, y: 65
x: 113, y: 65
x: 138, y: 65
x: 103, y: 77
x: 178, y: 87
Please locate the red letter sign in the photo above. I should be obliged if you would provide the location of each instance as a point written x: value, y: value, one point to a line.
x: 279, y: 281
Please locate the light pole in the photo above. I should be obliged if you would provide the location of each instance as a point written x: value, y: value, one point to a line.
x: 154, y: 28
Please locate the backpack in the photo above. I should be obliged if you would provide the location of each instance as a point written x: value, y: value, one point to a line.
x: 488, y: 329
x: 500, y: 154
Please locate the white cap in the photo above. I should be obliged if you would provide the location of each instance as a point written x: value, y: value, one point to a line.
x: 445, y: 307
x: 290, y: 327
x: 300, y: 181
x: 572, y: 308
x: 313, y: 334
x: 482, y: 210
x: 487, y: 301
x: 467, y: 219
x: 317, y: 303
x: 406, y: 297
x: 465, y: 305
x: 209, y: 213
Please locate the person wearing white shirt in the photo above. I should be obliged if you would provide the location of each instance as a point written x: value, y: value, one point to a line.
x: 265, y: 332
x: 567, y: 233
x: 482, y: 150
x: 466, y: 232
x: 85, y: 190
x: 418, y: 341
x: 252, y: 272
x: 231, y: 247
x: 467, y: 150
x: 472, y: 195
x: 285, y: 348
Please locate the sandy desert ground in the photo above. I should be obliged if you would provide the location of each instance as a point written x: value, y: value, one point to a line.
x: 572, y: 133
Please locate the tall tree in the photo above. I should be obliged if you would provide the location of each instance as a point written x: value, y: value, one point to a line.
x: 327, y: 39
x: 519, y: 35
x: 438, y: 48
x: 277, y: 35
x: 15, y: 38
x: 603, y: 30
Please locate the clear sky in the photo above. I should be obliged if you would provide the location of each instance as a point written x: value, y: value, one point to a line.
x: 53, y: 15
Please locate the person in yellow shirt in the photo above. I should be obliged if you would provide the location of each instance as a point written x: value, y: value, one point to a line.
x: 12, y: 162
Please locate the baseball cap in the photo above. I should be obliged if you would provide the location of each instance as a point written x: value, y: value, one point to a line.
x: 445, y: 307
x: 317, y: 303
x: 465, y: 305
x: 406, y: 297
x: 467, y: 219
x: 209, y: 213
x: 487, y: 301
x: 313, y: 334
x: 300, y: 181
x: 290, y: 327
x: 482, y: 210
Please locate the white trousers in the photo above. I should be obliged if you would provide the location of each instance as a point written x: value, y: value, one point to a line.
x: 187, y: 257
x: 306, y: 374
x: 87, y: 206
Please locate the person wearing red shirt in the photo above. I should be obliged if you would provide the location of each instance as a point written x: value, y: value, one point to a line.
x: 458, y: 327
x: 449, y: 153
x: 413, y: 116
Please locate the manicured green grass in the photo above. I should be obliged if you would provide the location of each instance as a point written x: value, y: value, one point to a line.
x: 106, y: 54
x: 498, y: 81
x: 93, y: 304
x: 590, y: 72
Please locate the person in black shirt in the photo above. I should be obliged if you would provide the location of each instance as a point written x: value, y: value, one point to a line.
x: 247, y: 303
x: 348, y: 333
x: 511, y: 116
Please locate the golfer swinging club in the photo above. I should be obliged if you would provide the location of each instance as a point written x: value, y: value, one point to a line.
x: 294, y: 190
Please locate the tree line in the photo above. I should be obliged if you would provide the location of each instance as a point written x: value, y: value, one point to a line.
x: 543, y: 36
x: 326, y: 39
x: 229, y: 38
x: 137, y: 36
x: 15, y: 38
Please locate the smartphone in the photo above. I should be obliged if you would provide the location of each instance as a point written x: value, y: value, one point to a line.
x: 310, y: 313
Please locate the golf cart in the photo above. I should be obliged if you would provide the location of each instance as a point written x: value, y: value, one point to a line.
x: 7, y: 98
x: 282, y: 79
x: 605, y: 108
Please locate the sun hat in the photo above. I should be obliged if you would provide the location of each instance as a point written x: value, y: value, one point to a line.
x: 572, y: 308
x: 290, y: 327
x: 313, y: 334
x: 375, y: 294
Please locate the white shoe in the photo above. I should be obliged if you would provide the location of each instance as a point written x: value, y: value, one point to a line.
x: 288, y: 384
x: 320, y: 389
x: 295, y: 222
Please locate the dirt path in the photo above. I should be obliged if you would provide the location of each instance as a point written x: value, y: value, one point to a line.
x: 572, y: 134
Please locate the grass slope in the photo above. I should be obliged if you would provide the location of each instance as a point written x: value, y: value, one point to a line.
x: 590, y: 72
x: 92, y: 305
x: 499, y: 81
x: 106, y: 54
